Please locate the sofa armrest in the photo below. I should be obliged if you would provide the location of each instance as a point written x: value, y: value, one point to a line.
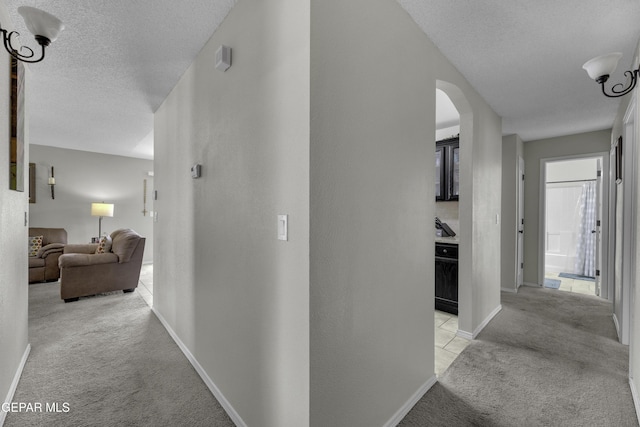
x: 81, y: 260
x: 88, y: 248
x: 51, y: 248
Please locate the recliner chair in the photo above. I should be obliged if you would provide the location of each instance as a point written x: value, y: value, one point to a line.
x: 84, y: 272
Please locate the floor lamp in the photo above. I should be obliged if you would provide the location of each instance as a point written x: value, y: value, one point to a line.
x: 100, y: 210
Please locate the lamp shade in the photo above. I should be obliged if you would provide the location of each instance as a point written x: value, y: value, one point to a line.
x: 101, y: 209
x: 602, y: 65
x: 41, y: 23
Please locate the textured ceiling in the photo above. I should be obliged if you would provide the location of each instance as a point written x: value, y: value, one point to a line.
x: 117, y: 60
x: 525, y: 57
x: 111, y: 67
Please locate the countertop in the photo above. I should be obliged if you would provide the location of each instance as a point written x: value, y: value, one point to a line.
x: 453, y: 240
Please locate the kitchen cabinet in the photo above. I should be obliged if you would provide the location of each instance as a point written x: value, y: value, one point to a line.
x: 446, y: 280
x: 448, y: 169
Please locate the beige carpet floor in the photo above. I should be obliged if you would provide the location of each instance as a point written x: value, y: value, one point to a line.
x: 112, y: 362
x: 549, y: 358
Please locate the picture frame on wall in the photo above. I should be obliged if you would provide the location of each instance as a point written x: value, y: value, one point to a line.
x: 16, y: 137
x: 619, y: 161
x: 32, y: 182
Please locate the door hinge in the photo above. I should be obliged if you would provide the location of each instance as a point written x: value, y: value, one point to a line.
x: 523, y: 177
x: 597, y: 272
x: 522, y: 221
x: 598, y: 223
x: 599, y: 173
x: 522, y: 265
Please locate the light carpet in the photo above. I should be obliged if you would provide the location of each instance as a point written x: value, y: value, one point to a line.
x: 548, y: 358
x: 111, y: 360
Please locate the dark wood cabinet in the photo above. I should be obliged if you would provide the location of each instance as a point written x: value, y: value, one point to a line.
x: 446, y: 280
x: 448, y: 169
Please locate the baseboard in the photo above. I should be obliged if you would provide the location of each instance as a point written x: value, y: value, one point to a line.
x: 534, y: 285
x: 14, y: 383
x: 235, y: 417
x: 404, y: 409
x: 476, y: 331
x: 634, y: 394
x: 615, y: 322
x: 510, y: 290
x: 464, y: 334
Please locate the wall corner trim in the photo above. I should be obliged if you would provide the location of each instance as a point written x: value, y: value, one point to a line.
x: 404, y: 409
x: 617, y: 325
x: 235, y: 417
x: 485, y: 322
x: 510, y: 290
x: 14, y: 383
x: 636, y: 401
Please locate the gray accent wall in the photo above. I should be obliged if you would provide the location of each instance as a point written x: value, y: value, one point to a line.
x: 13, y: 242
x: 83, y: 177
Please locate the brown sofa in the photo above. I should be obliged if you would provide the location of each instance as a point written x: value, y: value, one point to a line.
x: 44, y: 266
x: 83, y: 272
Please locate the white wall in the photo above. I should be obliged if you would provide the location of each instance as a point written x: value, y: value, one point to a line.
x: 534, y: 151
x: 236, y: 296
x: 512, y: 151
x: 572, y: 170
x: 630, y: 236
x: 13, y: 242
x: 84, y: 177
x: 372, y: 207
x: 307, y: 332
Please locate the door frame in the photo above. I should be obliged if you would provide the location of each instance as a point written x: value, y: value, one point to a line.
x: 604, y: 221
x: 520, y: 225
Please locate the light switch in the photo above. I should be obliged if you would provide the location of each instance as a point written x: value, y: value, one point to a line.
x: 282, y: 227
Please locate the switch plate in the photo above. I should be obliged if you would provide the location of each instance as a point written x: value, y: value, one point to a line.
x: 283, y: 233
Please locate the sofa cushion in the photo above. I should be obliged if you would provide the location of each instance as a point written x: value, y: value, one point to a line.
x: 104, y: 245
x: 78, y: 260
x: 35, y: 243
x: 35, y: 262
x: 49, y: 235
x: 49, y: 249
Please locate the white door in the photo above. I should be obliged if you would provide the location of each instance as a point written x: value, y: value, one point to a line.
x: 520, y: 257
x: 598, y: 229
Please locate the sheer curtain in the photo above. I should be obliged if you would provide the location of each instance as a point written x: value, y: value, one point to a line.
x: 586, y: 246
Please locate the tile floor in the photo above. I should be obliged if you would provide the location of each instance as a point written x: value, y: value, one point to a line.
x: 573, y: 285
x: 145, y: 287
x: 448, y: 344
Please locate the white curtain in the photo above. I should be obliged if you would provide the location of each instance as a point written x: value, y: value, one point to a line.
x: 586, y: 245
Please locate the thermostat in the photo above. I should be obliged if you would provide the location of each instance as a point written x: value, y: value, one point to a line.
x: 196, y: 171
x: 223, y: 58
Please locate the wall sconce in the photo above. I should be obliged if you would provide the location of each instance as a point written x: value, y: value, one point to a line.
x: 52, y: 184
x: 601, y: 67
x: 44, y: 26
x: 100, y: 210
